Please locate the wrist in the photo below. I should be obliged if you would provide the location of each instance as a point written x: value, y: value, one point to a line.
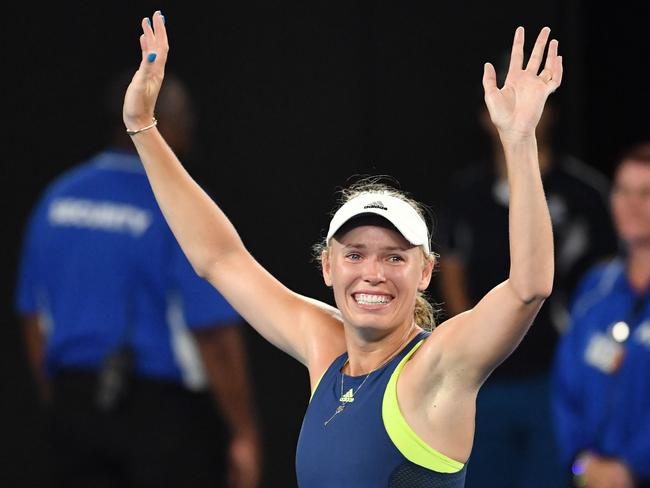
x: 137, y: 127
x: 516, y: 138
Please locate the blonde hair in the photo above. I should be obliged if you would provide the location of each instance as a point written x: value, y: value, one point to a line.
x: 424, y: 313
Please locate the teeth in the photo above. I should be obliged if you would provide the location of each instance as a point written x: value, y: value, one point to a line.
x: 365, y: 299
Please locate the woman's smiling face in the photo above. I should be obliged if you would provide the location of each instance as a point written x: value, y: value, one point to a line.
x: 630, y: 201
x: 375, y: 274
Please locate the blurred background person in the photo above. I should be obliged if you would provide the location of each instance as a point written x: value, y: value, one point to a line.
x: 134, y: 355
x: 514, y: 445
x: 602, y: 367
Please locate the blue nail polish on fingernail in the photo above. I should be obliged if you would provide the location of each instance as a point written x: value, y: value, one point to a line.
x: 149, y: 21
x: 151, y: 57
x: 163, y: 19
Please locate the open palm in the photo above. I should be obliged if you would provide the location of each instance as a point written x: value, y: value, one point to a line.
x: 141, y: 95
x: 515, y: 109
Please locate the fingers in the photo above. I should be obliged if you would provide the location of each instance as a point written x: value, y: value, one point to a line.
x: 552, y: 54
x: 536, y: 56
x: 489, y: 78
x: 548, y: 72
x: 552, y: 73
x: 149, y: 36
x: 517, y: 53
x: 160, y: 30
x: 557, y: 73
x: 153, y: 40
x: 553, y: 61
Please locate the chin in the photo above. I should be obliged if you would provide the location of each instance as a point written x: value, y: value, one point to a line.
x: 370, y: 322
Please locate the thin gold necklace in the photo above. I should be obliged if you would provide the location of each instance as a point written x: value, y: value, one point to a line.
x: 349, y: 398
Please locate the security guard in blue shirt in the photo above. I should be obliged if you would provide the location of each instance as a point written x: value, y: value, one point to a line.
x: 124, y: 338
x: 602, y: 368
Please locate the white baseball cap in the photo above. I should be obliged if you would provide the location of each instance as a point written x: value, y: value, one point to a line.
x: 398, y: 212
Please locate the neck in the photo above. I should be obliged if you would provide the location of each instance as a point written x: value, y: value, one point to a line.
x: 638, y: 267
x: 365, y: 356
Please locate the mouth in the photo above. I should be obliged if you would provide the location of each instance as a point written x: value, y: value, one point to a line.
x: 372, y: 300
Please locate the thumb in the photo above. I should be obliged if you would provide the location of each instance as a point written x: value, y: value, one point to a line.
x: 489, y: 78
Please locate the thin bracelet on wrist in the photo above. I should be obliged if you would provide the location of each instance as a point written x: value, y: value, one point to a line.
x: 142, y: 129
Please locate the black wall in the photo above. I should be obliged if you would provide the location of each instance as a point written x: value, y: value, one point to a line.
x: 293, y: 98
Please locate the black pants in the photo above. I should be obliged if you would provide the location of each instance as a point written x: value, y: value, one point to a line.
x: 162, y: 436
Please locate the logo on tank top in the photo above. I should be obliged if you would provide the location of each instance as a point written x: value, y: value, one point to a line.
x: 348, y: 396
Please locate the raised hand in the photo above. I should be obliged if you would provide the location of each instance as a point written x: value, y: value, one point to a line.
x: 141, y: 95
x: 515, y: 109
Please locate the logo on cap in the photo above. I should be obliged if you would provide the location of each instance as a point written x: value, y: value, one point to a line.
x: 377, y: 204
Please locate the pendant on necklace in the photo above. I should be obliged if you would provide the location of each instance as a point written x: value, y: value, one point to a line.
x: 338, y: 410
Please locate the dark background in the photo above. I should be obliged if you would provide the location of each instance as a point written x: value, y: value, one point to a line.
x: 294, y: 97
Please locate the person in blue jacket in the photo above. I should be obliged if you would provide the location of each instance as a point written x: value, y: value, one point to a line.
x: 601, y: 399
x: 139, y: 361
x: 392, y: 405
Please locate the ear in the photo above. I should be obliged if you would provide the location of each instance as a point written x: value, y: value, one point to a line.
x: 326, y: 266
x: 427, y: 272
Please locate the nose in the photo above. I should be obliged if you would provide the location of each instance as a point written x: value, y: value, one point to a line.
x: 373, y: 272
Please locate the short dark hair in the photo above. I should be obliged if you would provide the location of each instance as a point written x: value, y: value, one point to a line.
x: 639, y: 151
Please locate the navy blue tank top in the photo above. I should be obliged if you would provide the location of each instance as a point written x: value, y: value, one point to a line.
x: 368, y: 443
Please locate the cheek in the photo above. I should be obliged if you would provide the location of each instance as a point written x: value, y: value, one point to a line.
x: 621, y: 208
x: 407, y: 280
x: 339, y: 273
x: 341, y: 278
x: 630, y: 218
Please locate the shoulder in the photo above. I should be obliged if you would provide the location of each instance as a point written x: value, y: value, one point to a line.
x: 603, y: 274
x: 596, y: 284
x: 68, y: 179
x: 90, y: 169
x: 58, y: 187
x: 111, y: 175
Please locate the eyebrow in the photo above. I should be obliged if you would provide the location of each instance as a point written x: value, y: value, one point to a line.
x: 387, y: 248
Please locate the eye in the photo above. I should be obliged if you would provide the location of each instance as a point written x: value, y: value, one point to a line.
x: 353, y: 256
x: 395, y: 258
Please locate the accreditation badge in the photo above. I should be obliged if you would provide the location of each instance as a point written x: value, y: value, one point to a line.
x: 604, y: 353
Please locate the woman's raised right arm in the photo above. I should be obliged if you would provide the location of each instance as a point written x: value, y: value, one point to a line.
x: 203, y: 231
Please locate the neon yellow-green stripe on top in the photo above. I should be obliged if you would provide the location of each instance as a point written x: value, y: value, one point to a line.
x: 405, y: 439
x: 316, y: 386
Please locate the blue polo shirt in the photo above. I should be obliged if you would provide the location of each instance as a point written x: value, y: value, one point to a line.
x: 101, y: 266
x: 602, y: 377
